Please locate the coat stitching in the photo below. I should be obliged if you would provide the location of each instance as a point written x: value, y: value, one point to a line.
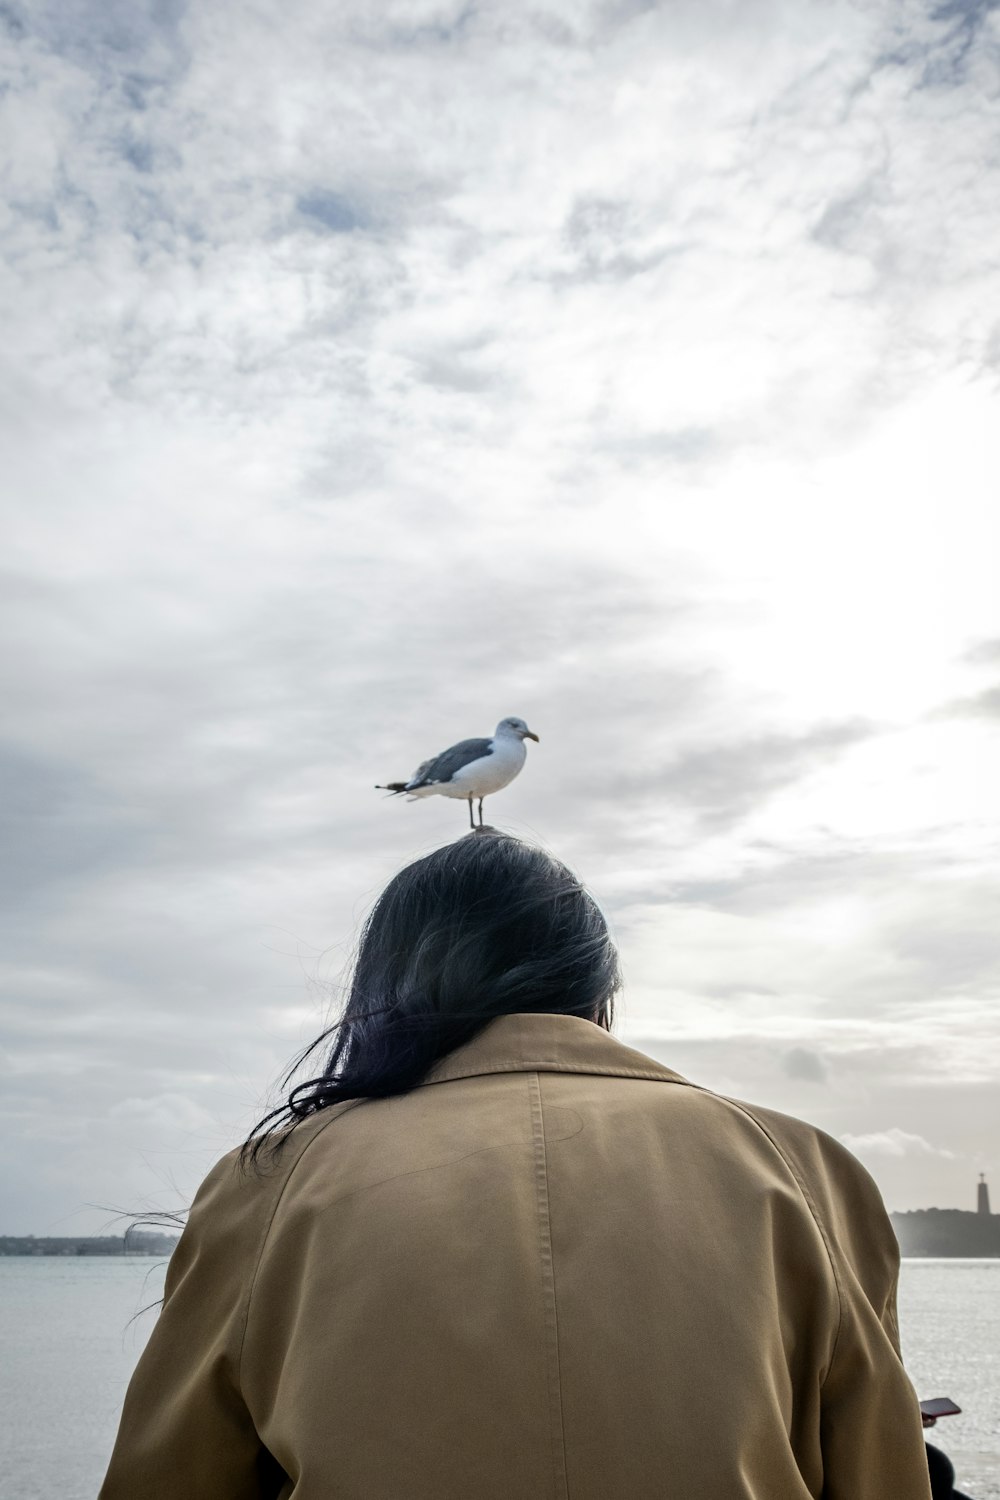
x: 593, y: 1070
x: 557, y: 1431
x: 335, y: 1112
x: 817, y: 1219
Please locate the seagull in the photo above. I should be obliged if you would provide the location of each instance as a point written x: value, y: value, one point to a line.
x: 472, y: 768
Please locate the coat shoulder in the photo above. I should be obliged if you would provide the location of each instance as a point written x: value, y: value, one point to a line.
x: 822, y: 1164
x: 844, y: 1199
x: 232, y: 1212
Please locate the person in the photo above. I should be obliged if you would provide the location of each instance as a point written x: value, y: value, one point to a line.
x: 491, y: 1253
x: 942, y: 1471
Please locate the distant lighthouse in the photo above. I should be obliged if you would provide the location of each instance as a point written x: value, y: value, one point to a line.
x: 983, y: 1204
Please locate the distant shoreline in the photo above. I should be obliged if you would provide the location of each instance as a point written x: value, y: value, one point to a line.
x: 139, y: 1242
x: 923, y: 1234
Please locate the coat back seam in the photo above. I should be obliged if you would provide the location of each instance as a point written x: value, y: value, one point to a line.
x: 557, y: 1431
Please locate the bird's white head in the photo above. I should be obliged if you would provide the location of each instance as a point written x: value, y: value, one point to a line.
x: 515, y: 729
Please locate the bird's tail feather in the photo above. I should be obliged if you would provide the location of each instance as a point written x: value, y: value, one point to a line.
x: 391, y: 786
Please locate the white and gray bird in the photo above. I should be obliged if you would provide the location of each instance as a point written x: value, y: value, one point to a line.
x: 472, y: 769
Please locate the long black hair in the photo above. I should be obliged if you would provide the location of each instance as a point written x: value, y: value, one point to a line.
x: 484, y: 927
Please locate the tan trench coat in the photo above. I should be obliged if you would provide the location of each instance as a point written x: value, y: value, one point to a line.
x: 555, y: 1271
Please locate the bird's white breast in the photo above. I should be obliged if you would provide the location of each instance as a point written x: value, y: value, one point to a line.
x: 482, y: 777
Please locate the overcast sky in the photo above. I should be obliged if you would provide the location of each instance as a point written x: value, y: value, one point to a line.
x: 372, y: 372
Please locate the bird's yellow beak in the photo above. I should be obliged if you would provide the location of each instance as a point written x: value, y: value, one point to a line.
x: 529, y: 736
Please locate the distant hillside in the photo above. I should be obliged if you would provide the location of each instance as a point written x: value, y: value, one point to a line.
x: 138, y: 1243
x: 947, y: 1231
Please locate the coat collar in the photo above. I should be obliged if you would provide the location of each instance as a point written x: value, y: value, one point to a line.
x: 529, y: 1043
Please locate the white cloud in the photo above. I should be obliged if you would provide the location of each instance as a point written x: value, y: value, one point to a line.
x: 170, y: 1114
x: 893, y: 1142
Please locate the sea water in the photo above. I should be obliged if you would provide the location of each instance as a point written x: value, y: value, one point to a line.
x: 72, y: 1328
x: 949, y: 1320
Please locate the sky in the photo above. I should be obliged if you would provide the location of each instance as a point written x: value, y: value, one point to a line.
x: 371, y: 373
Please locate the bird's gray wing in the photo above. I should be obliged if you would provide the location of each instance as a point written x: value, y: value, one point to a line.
x: 443, y: 767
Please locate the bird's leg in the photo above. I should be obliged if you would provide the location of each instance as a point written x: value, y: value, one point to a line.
x: 472, y: 821
x: 480, y: 812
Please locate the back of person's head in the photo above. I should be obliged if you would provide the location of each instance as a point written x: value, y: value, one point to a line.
x: 484, y: 927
